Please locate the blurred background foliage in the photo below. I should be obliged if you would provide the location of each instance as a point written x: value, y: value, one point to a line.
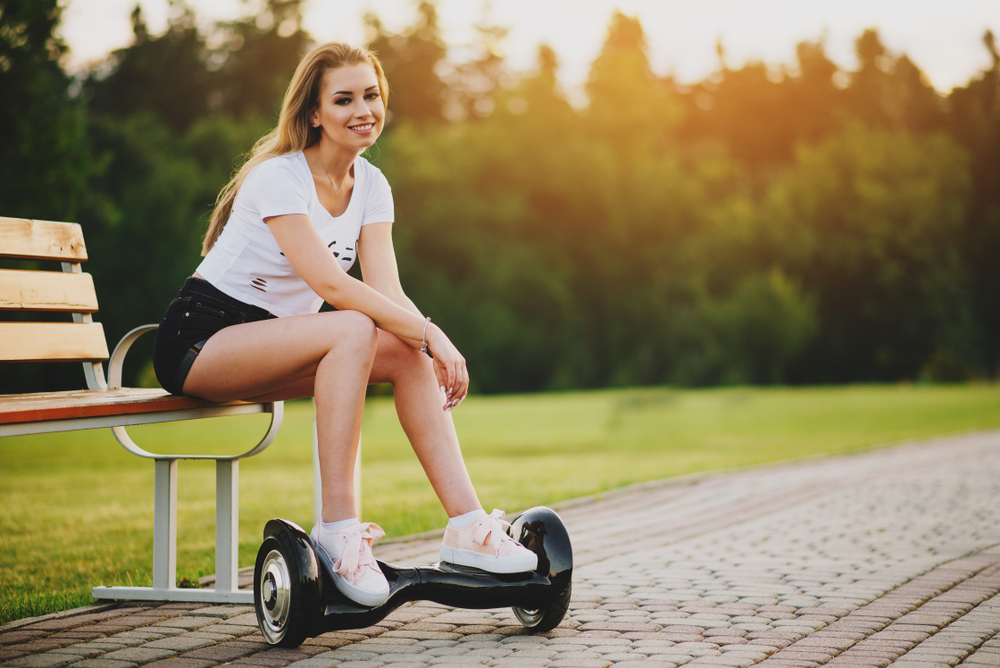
x: 792, y: 224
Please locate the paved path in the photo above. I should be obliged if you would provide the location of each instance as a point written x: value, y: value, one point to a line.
x: 890, y: 557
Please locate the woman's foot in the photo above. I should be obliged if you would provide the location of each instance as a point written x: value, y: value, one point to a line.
x: 356, y: 573
x: 484, y: 544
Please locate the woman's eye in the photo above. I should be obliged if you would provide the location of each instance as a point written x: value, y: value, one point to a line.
x: 372, y: 96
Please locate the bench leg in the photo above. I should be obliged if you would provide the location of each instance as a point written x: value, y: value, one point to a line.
x: 165, y: 525
x: 165, y: 542
x: 227, y: 524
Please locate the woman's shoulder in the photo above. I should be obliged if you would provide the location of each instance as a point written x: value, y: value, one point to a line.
x: 368, y: 172
x: 289, y: 165
x: 362, y: 163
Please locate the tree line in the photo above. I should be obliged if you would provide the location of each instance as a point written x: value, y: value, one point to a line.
x: 789, y: 224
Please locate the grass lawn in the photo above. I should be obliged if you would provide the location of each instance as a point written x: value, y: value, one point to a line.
x: 78, y: 509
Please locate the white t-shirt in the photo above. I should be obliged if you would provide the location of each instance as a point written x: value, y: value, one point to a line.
x: 246, y: 262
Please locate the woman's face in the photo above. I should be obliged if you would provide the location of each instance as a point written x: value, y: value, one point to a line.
x: 350, y: 112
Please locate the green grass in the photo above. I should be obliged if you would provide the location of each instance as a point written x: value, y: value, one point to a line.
x: 77, y: 509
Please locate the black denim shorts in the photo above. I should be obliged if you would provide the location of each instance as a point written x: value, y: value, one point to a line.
x: 198, y: 312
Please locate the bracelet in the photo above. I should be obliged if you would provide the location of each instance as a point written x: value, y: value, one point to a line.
x: 423, y: 342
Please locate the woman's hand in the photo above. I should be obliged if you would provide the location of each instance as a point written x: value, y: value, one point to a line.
x: 449, y: 367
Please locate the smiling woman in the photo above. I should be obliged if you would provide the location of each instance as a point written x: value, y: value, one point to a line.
x: 246, y: 325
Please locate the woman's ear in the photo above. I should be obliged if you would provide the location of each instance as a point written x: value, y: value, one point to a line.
x: 314, y: 117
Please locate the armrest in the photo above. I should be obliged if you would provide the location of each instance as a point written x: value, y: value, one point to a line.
x: 276, y: 409
x: 118, y: 356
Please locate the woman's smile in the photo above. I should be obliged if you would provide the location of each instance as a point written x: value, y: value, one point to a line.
x: 351, y: 110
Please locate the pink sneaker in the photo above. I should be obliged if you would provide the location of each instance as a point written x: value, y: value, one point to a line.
x: 356, y: 573
x: 484, y: 544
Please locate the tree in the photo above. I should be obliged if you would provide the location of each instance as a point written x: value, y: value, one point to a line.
x: 410, y: 60
x: 761, y: 112
x: 974, y: 120
x: 165, y: 75
x: 46, y: 161
x: 42, y: 148
x: 870, y: 222
x: 629, y: 106
x: 890, y: 92
x: 256, y: 60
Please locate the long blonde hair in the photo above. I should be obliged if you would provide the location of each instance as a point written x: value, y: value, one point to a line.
x: 294, y: 131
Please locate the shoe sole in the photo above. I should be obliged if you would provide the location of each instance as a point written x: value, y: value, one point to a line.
x: 486, y: 562
x: 353, y: 592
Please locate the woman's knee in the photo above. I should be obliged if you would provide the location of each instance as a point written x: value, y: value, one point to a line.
x: 397, y: 358
x: 357, y: 330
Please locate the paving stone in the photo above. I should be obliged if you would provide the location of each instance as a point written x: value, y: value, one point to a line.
x: 103, y: 663
x: 76, y: 634
x: 420, y: 635
x: 268, y: 662
x: 59, y: 624
x: 187, y: 622
x: 224, y: 652
x: 246, y: 619
x: 182, y: 643
x: 139, y: 654
x: 231, y: 629
x: 47, y: 660
x: 516, y: 662
x: 81, y: 651
x: 96, y: 645
x: 20, y: 636
x: 181, y: 662
x: 140, y: 634
x: 222, y: 611
x: 327, y: 642
x: 125, y: 639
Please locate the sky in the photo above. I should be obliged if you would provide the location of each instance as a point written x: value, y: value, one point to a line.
x: 943, y: 38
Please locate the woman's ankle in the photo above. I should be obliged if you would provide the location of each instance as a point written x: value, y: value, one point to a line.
x: 339, y: 525
x: 462, y: 521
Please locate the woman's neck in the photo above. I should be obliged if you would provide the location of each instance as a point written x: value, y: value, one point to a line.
x: 336, y: 160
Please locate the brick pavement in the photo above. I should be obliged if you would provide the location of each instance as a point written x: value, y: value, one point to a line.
x: 889, y: 557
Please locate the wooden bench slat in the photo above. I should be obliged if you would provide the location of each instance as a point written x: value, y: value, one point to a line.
x: 41, y: 240
x: 46, y: 291
x: 44, y: 406
x: 52, y: 342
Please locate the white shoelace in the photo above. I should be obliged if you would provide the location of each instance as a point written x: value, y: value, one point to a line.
x: 357, y: 552
x: 492, y: 531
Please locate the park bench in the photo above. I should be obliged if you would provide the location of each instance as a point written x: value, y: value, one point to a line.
x: 105, y: 403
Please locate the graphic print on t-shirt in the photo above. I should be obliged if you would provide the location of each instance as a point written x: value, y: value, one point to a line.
x: 336, y: 254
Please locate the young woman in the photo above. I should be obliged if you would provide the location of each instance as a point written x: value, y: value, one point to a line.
x: 246, y: 325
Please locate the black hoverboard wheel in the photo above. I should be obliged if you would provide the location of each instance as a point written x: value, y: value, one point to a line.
x: 287, y: 586
x: 543, y: 532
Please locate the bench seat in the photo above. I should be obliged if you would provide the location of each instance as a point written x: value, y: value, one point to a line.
x: 46, y: 406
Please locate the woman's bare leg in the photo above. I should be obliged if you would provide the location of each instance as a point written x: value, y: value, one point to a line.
x: 326, y: 355
x: 431, y: 431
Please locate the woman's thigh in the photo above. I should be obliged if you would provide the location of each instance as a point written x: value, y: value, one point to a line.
x: 278, y: 356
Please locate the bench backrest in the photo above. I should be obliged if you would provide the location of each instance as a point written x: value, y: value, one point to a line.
x: 70, y: 291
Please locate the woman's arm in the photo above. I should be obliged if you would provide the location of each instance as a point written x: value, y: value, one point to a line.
x: 378, y: 264
x: 314, y: 262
